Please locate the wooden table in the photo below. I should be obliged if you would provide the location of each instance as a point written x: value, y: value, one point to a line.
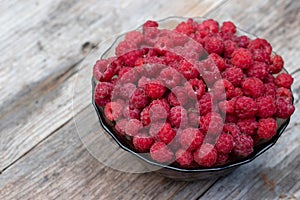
x: 43, y: 45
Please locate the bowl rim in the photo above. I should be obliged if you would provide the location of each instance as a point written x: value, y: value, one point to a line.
x: 243, y: 161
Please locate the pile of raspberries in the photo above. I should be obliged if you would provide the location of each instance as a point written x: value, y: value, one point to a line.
x: 195, y: 96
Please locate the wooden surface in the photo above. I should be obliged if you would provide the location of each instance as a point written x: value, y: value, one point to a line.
x: 43, y: 47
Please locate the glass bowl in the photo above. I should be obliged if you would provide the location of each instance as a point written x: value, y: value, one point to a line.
x: 171, y: 171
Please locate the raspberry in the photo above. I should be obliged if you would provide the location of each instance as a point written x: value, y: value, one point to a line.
x: 145, y: 116
x: 212, y: 123
x: 124, y: 47
x: 161, y: 153
x: 211, y: 25
x: 143, y: 81
x: 186, y: 28
x: 277, y: 64
x: 232, y: 129
x: 99, y: 68
x: 184, y: 158
x: 177, y: 97
x: 129, y: 58
x: 245, y: 107
x: 178, y: 39
x: 284, y: 80
x: 171, y: 77
x: 159, y: 110
x: 228, y: 27
x: 266, y: 128
x: 227, y: 106
x: 135, y: 37
x: 191, y: 139
x: 284, y: 93
x: 102, y: 93
x: 209, y: 71
x: 261, y: 49
x: 266, y: 106
x: 242, y: 58
x: 222, y: 159
x: 253, y: 87
x: 270, y: 89
x: 214, y: 44
x: 229, y: 47
x: 259, y: 70
x: 222, y: 89
x: 205, y: 104
x: 194, y: 118
x: 237, y: 92
x: 120, y: 126
x: 113, y: 110
x: 178, y: 117
x: 269, y: 79
x: 131, y: 113
x: 162, y: 132
x: 195, y: 87
x: 243, y: 145
x: 224, y: 143
x: 284, y: 108
x: 206, y: 155
x: 155, y: 89
x: 124, y: 90
x: 139, y: 99
x: 248, y: 126
x: 128, y: 75
x: 150, y: 23
x: 243, y: 41
x: 231, y: 118
x: 218, y: 60
x: 142, y: 142
x: 234, y: 75
x: 188, y: 70
x: 133, y: 126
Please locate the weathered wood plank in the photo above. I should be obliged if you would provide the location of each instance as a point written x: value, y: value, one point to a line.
x: 53, y: 35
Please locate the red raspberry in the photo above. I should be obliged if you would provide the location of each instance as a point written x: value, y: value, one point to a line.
x: 159, y: 110
x: 243, y: 41
x: 170, y: 76
x: 232, y: 129
x: 178, y: 96
x: 212, y: 123
x: 231, y: 118
x: 135, y: 37
x: 277, y: 64
x: 269, y: 79
x: 161, y: 153
x: 205, y: 104
x: 284, y: 93
x: 178, y: 117
x: 238, y: 92
x: 261, y: 49
x: 162, y: 132
x: 209, y: 71
x: 253, y: 87
x: 248, y: 126
x: 131, y: 113
x: 223, y: 89
x: 229, y: 47
x: 139, y: 99
x: 145, y: 116
x: 224, y: 143
x: 128, y: 75
x: 150, y: 23
x: 188, y: 70
x: 191, y: 139
x: 212, y: 25
x: 259, y: 70
x: 284, y: 108
x: 245, y: 107
x: 99, y: 68
x: 124, y: 90
x: 270, y: 89
x: 129, y: 58
x: 184, y: 158
x: 284, y: 80
x: 185, y: 27
x: 243, y: 145
x: 120, y: 126
x: 194, y: 118
x: 155, y: 89
x: 124, y: 47
x: 227, y: 106
x: 163, y: 43
x: 222, y: 159
x: 111, y: 70
x: 143, y: 81
x: 206, y: 155
x: 178, y: 39
x: 214, y: 44
x: 234, y: 75
x: 150, y: 66
x: 195, y: 87
x: 218, y: 60
x: 242, y: 58
x: 102, y: 93
x: 228, y: 27
x: 133, y: 126
x: 266, y: 128
x: 266, y: 106
x: 142, y: 142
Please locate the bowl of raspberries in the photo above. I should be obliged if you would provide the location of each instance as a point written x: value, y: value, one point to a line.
x: 194, y: 97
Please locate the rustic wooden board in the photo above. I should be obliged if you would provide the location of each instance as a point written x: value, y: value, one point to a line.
x: 55, y: 35
x: 58, y: 166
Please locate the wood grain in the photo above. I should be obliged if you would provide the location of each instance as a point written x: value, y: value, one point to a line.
x: 41, y: 155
